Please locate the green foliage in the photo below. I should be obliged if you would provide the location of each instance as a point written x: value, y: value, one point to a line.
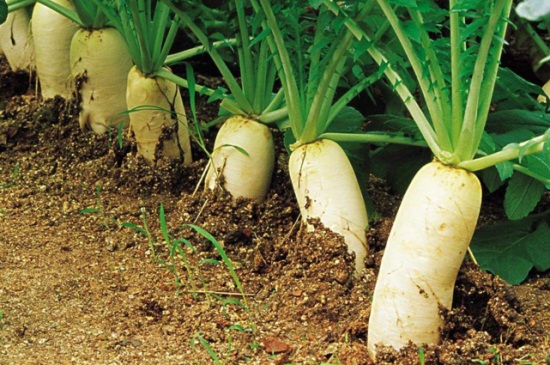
x: 213, y: 356
x: 512, y: 249
x: 421, y: 356
x: 86, y: 13
x: 148, y: 29
x: 98, y: 209
x: 3, y: 11
x: 252, y: 88
x: 522, y: 195
x: 313, y: 51
x: 529, y: 177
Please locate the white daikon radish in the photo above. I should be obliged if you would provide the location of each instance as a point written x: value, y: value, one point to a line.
x: 159, y: 109
x: 243, y: 159
x: 100, y: 63
x: 429, y: 238
x: 326, y: 188
x: 16, y: 40
x: 52, y: 35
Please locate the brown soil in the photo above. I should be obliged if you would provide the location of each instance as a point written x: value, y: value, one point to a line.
x: 83, y: 288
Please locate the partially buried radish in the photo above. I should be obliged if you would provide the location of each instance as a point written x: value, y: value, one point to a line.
x: 16, y: 40
x: 429, y: 238
x: 157, y: 117
x: 52, y: 34
x: 327, y: 189
x: 243, y: 159
x: 100, y: 63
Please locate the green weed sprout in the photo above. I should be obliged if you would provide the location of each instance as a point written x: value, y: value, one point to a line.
x: 98, y: 209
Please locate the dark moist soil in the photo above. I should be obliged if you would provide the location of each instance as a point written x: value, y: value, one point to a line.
x: 79, y: 285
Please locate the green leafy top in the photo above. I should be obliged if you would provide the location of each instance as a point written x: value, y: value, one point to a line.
x: 456, y: 90
x: 3, y: 11
x: 252, y: 93
x: 313, y: 50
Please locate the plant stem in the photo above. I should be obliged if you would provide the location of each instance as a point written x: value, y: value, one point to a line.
x: 165, y: 74
x: 230, y: 80
x: 457, y: 82
x: 433, y: 103
x: 482, y: 83
x: 526, y: 171
x: 188, y: 53
x: 287, y: 77
x: 395, y: 81
x: 372, y: 138
x: 529, y: 147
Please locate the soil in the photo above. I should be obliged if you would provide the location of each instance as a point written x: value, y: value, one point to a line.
x: 81, y: 284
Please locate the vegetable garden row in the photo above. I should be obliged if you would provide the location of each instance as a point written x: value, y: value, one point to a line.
x: 451, y: 123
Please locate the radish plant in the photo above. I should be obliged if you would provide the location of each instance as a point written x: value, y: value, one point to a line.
x: 433, y: 228
x: 312, y: 54
x: 52, y: 35
x: 156, y: 110
x: 243, y: 158
x: 99, y: 62
x: 15, y: 35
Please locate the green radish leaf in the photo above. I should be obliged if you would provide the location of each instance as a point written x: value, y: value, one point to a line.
x: 385, y: 122
x: 511, y: 138
x: 511, y: 249
x: 315, y: 3
x: 505, y: 170
x: 3, y: 11
x: 398, y: 164
x: 360, y: 48
x: 500, y: 122
x: 522, y: 195
x: 260, y: 37
x: 348, y: 120
x: 514, y: 92
x: 487, y: 144
x: 491, y: 179
x: 540, y: 166
x: 405, y: 3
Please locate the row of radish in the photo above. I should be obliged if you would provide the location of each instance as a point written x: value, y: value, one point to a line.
x: 323, y: 54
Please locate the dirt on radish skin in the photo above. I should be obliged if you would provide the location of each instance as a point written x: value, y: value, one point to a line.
x: 74, y: 291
